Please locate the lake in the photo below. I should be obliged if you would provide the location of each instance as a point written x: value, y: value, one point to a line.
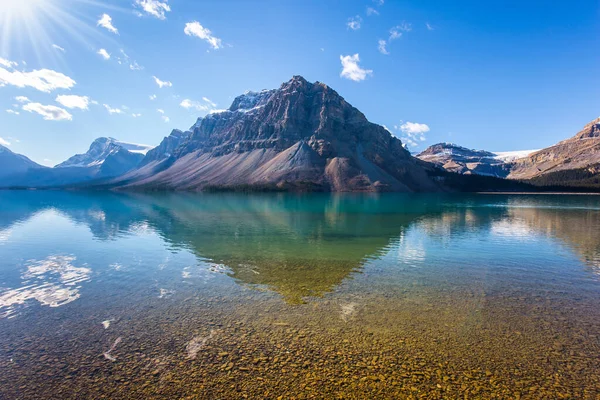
x: 222, y: 296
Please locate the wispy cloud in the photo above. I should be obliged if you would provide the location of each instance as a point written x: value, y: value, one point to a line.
x: 209, y: 101
x: 429, y: 26
x: 50, y: 113
x: 134, y: 66
x: 105, y: 54
x: 134, y: 115
x: 44, y: 80
x: 351, y: 70
x: 206, y: 105
x: 155, y: 8
x: 354, y: 22
x: 57, y: 47
x: 12, y: 112
x: 152, y: 97
x: 371, y: 11
x: 73, y: 101
x: 196, y: 29
x: 4, y: 142
x: 382, y: 46
x: 395, y: 32
x: 22, y: 99
x: 112, y: 110
x: 162, y: 84
x: 105, y: 21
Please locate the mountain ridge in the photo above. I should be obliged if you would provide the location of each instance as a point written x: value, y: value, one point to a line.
x: 300, y: 135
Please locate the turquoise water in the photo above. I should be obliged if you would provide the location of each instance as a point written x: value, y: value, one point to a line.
x: 130, y: 296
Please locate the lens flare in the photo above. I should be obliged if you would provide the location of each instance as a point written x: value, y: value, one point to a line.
x: 28, y: 26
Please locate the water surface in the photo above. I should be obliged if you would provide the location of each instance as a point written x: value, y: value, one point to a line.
x: 305, y: 296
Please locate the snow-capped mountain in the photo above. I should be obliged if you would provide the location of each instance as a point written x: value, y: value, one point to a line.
x: 106, y: 158
x: 13, y: 163
x: 101, y: 149
x: 459, y: 159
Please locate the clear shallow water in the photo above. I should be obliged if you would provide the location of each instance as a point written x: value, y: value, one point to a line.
x: 351, y: 296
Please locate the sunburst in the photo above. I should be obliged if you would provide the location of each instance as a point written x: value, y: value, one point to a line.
x: 34, y: 25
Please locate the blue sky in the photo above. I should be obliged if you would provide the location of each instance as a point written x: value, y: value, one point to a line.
x: 498, y: 75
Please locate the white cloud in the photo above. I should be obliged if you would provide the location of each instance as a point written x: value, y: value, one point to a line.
x: 160, y: 110
x: 396, y: 31
x: 57, y: 47
x: 206, y: 106
x: 187, y: 104
x: 195, y: 29
x: 414, y: 128
x: 44, y: 80
x: 162, y: 84
x: 12, y: 112
x: 73, y: 101
x: 382, y: 46
x: 152, y: 97
x: 155, y: 8
x: 354, y: 23
x: 8, y: 63
x: 105, y: 21
x: 372, y: 11
x: 165, y: 118
x: 22, y: 99
x: 429, y: 27
x: 209, y: 101
x: 134, y: 66
x: 112, y: 110
x: 104, y: 54
x: 4, y: 142
x: 351, y: 70
x: 50, y: 113
x: 413, y: 132
x: 134, y: 115
x: 379, y: 2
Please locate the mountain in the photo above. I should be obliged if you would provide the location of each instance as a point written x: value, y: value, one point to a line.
x: 13, y: 163
x: 105, y: 149
x: 167, y: 147
x: 300, y: 136
x: 106, y: 158
x: 461, y: 160
x: 579, y: 153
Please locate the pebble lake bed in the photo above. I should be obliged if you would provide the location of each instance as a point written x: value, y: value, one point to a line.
x: 281, y: 296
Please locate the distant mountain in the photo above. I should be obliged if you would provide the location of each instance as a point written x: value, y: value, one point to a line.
x: 462, y: 160
x: 103, y: 149
x: 106, y: 158
x: 13, y: 163
x: 581, y: 152
x: 301, y: 136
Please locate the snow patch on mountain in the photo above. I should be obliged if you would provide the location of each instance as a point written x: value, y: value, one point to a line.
x: 510, y: 156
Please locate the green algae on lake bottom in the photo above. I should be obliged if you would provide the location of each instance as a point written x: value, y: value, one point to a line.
x: 280, y: 296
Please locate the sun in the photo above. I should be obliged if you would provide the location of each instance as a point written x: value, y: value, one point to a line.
x: 32, y: 26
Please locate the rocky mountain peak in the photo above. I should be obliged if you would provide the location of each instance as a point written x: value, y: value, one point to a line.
x: 299, y: 134
x: 590, y: 130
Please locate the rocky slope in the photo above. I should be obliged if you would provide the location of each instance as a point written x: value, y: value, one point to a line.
x: 13, y: 163
x: 300, y: 136
x: 582, y: 151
